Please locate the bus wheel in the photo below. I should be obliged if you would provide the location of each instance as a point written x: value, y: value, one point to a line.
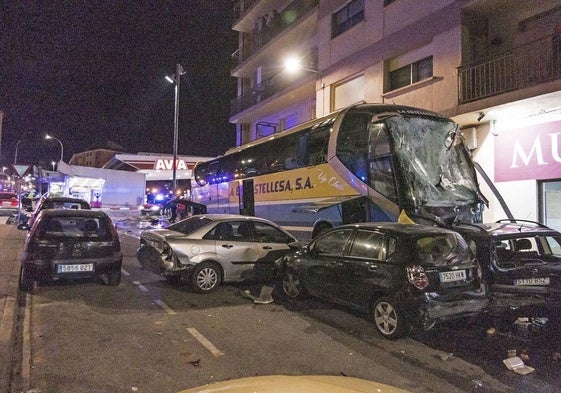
x: 320, y: 228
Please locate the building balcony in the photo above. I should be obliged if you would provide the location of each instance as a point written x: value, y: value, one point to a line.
x: 272, y: 86
x: 521, y: 67
x: 280, y: 22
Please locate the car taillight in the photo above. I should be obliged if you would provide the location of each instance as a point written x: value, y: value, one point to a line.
x: 417, y: 276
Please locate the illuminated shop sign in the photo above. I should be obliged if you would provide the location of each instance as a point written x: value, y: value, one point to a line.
x: 167, y: 164
x: 531, y: 152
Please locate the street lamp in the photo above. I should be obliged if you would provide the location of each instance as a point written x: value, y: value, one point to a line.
x: 293, y: 64
x: 176, y: 80
x: 61, y: 146
x: 53, y: 164
x: 16, y: 153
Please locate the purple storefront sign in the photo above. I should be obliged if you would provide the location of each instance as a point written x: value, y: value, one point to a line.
x: 532, y: 152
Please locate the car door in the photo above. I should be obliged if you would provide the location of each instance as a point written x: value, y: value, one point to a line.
x: 236, y: 247
x: 322, y: 265
x: 362, y: 270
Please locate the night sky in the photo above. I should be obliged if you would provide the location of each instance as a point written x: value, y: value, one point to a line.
x: 92, y: 73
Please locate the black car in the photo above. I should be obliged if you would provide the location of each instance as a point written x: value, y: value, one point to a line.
x: 71, y: 244
x: 521, y: 262
x: 57, y: 202
x: 405, y: 276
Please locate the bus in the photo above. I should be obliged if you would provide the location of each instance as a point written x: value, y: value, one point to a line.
x: 367, y: 162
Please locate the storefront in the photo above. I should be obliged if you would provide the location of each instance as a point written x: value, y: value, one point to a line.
x: 523, y: 157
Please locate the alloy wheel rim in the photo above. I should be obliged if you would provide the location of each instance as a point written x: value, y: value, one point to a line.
x: 207, y: 278
x: 291, y: 285
x: 385, y: 318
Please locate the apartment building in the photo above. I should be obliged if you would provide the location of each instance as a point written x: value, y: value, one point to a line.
x: 494, y: 66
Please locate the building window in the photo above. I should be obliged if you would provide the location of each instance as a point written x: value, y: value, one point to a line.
x: 410, y: 73
x: 347, y: 17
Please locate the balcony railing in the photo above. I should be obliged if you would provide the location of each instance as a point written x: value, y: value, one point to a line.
x: 268, y: 88
x: 522, y: 67
x: 242, y: 7
x: 258, y: 38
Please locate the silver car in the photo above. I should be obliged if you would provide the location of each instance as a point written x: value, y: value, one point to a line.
x: 209, y: 249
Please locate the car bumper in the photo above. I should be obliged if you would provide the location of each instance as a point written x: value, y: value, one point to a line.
x: 42, y: 270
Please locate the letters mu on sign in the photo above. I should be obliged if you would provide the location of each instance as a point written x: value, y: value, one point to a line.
x: 526, y: 153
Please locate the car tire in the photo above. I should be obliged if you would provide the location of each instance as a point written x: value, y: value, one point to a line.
x: 205, y: 277
x: 388, y: 319
x: 291, y: 285
x: 27, y: 282
x: 114, y: 279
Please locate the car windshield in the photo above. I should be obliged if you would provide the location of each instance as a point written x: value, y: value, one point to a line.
x: 440, y: 249
x: 189, y: 225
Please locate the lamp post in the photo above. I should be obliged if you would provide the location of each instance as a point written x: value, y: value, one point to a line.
x: 176, y: 80
x: 16, y: 153
x: 61, y: 146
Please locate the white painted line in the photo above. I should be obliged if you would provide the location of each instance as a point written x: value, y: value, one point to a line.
x: 125, y: 272
x: 26, y: 348
x: 203, y: 340
x: 165, y: 307
x: 140, y: 286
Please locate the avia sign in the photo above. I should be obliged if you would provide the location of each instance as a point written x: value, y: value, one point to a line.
x: 167, y: 164
x: 531, y: 152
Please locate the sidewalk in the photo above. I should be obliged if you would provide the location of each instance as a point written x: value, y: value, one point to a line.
x: 11, y: 246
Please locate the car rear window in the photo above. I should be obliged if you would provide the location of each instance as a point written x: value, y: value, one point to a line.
x: 7, y: 196
x: 90, y: 228
x: 438, y: 249
x: 189, y: 225
x: 527, y: 249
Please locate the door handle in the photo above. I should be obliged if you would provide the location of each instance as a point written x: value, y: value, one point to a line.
x: 267, y: 248
x: 227, y: 246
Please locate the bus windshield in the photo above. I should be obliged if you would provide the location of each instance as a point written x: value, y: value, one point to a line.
x: 416, y: 160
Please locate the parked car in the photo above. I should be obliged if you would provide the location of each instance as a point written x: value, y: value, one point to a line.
x: 405, y: 276
x: 521, y: 263
x: 8, y: 200
x: 209, y: 249
x: 58, y: 202
x: 69, y: 244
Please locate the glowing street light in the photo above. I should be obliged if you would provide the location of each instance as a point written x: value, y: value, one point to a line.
x: 61, y: 146
x: 293, y: 64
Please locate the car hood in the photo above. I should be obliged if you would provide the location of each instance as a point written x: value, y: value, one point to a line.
x: 296, y: 384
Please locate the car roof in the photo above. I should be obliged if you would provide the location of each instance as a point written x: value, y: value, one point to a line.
x: 219, y: 217
x: 73, y: 213
x: 65, y: 199
x: 399, y: 228
x: 506, y: 228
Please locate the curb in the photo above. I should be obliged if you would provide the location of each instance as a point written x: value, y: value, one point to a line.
x: 11, y: 247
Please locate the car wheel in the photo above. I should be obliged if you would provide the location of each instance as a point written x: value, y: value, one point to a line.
x: 292, y: 286
x: 27, y: 282
x: 206, y: 277
x: 114, y: 279
x: 388, y: 319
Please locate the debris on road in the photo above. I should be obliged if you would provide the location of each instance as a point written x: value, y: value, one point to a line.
x: 517, y: 365
x: 265, y: 296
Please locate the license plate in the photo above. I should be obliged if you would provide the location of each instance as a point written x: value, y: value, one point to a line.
x: 532, y: 281
x: 87, y: 267
x: 455, y: 275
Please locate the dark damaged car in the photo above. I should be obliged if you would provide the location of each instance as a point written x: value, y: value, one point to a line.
x: 404, y: 276
x: 206, y: 250
x: 521, y: 263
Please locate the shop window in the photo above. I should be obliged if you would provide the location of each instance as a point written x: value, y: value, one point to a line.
x: 347, y: 17
x: 411, y: 73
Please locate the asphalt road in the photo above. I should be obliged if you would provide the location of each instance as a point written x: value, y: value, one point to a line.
x: 148, y: 336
